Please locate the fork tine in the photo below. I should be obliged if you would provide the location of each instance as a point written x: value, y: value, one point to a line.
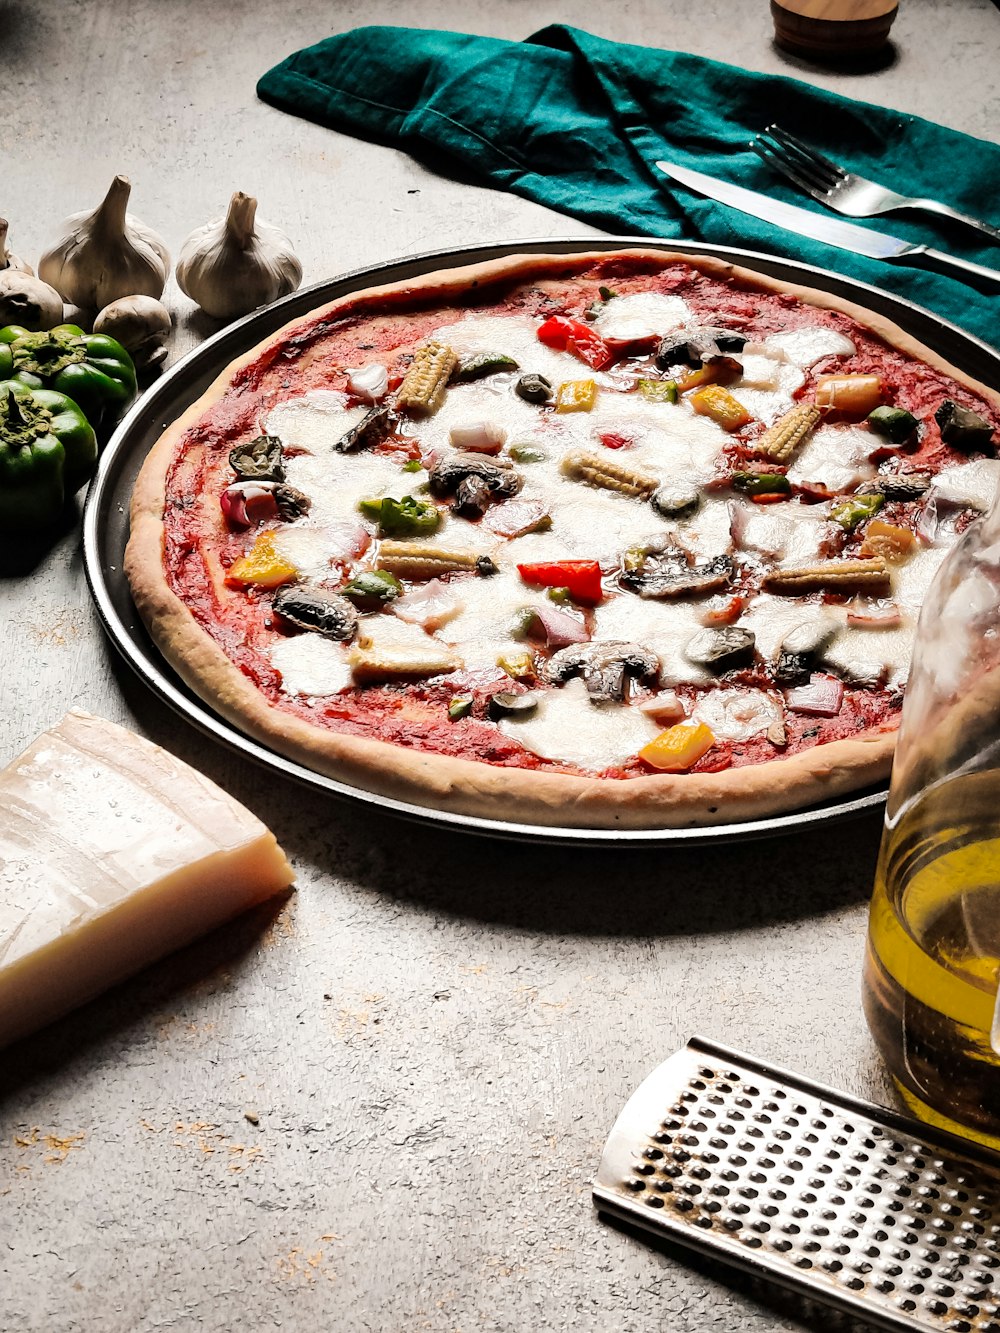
x: 816, y: 177
x: 785, y: 168
x: 793, y: 144
x: 808, y: 177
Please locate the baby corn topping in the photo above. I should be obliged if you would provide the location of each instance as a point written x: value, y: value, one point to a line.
x: 423, y: 560
x: 829, y: 576
x: 400, y: 652
x: 604, y: 472
x: 422, y: 390
x: 782, y: 439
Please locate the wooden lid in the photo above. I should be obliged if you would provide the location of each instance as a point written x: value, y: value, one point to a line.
x: 841, y: 28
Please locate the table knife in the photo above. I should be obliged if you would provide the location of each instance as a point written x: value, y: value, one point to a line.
x: 832, y: 231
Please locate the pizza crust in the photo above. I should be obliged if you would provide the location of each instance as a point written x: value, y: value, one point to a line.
x: 464, y: 786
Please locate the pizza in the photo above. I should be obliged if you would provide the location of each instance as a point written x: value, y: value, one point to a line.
x: 616, y: 539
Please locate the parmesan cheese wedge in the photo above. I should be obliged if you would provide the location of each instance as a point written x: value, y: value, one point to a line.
x: 112, y: 854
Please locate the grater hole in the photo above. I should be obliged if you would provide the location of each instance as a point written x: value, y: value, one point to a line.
x: 854, y: 1283
x: 885, y: 1286
x: 907, y: 1306
x: 833, y: 1265
x: 782, y: 1246
x: 752, y: 1242
x: 958, y: 1326
x: 654, y: 1154
x: 654, y: 1201
x: 704, y: 1222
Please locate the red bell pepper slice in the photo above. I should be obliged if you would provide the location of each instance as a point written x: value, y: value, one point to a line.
x: 571, y: 335
x: 581, y: 578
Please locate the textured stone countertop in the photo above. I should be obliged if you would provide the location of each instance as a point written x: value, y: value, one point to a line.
x: 382, y: 1109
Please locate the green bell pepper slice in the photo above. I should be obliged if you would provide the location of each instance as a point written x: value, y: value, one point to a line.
x: 48, y: 449
x: 94, y: 370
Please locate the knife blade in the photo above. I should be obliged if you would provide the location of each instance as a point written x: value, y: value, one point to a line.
x: 832, y: 231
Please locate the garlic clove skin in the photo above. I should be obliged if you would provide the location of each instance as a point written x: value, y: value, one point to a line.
x: 141, y: 324
x: 106, y: 254
x: 10, y: 261
x: 28, y: 301
x: 237, y: 263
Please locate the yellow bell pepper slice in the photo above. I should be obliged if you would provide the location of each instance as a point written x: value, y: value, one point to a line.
x: 576, y: 396
x: 895, y: 545
x: 718, y: 403
x: 261, y: 567
x: 677, y: 748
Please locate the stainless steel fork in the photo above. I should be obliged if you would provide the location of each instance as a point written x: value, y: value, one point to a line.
x: 844, y: 191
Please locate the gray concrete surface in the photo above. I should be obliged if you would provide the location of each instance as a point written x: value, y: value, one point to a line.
x: 381, y: 1107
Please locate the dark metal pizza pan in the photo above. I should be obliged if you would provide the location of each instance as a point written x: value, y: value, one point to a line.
x: 105, y: 524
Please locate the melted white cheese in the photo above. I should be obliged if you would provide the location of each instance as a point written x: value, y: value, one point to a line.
x: 834, y: 456
x: 736, y: 715
x: 568, y: 728
x: 315, y: 421
x: 482, y: 630
x: 311, y: 665
x: 667, y: 627
x: 974, y: 484
x: 804, y: 347
x: 642, y: 314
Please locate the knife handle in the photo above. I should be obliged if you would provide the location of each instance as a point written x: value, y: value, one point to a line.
x: 939, y: 256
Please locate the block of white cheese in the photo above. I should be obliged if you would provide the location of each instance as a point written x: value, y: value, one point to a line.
x: 112, y: 854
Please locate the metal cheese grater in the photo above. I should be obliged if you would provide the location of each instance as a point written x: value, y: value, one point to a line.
x: 847, y: 1203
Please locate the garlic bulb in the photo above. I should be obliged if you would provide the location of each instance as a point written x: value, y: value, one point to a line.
x: 235, y: 264
x: 106, y: 254
x: 7, y: 260
x: 141, y: 324
x: 28, y: 301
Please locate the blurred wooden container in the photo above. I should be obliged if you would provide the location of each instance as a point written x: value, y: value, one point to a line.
x: 832, y: 29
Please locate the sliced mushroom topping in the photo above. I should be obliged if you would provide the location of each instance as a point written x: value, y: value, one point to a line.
x: 725, y: 649
x: 317, y: 609
x: 258, y: 460
x: 603, y: 667
x: 447, y: 474
x: 472, y: 498
x: 374, y: 427
x: 665, y: 569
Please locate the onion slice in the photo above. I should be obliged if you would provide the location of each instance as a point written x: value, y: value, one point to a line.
x: 822, y: 697
x: 559, y: 627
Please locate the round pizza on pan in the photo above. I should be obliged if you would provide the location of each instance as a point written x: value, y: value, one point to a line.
x: 623, y: 539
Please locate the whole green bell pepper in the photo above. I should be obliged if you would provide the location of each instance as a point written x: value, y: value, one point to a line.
x: 48, y: 449
x: 92, y: 369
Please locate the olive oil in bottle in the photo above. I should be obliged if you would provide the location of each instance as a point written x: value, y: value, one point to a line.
x: 932, y: 967
x: 933, y: 957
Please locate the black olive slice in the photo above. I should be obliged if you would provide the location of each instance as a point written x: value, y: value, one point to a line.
x: 312, y: 608
x: 512, y: 705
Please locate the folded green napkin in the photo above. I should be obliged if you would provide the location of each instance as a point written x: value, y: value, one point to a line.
x: 575, y: 122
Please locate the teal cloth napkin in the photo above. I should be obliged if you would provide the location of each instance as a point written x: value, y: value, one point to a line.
x: 575, y: 122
